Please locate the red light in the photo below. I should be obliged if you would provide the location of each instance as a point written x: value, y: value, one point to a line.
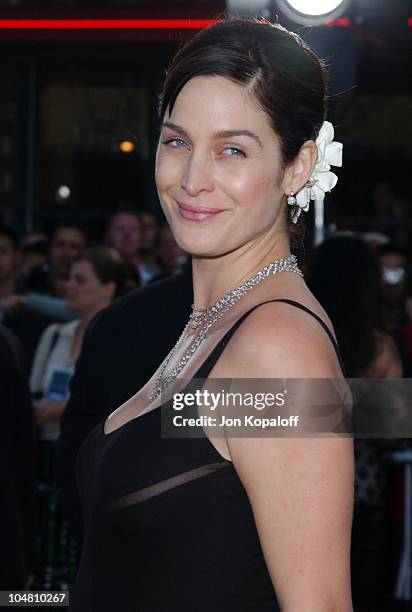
x: 105, y: 24
x: 410, y: 22
x: 342, y: 22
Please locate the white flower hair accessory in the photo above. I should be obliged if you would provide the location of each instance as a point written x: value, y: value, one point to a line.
x: 322, y: 179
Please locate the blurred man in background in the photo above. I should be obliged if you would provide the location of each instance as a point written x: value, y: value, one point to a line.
x: 124, y: 233
x: 34, y: 248
x: 28, y: 314
x: 67, y: 243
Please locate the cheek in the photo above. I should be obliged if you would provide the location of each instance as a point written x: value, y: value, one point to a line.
x: 163, y: 169
x: 169, y: 171
x: 255, y: 190
x: 86, y: 293
x: 164, y: 182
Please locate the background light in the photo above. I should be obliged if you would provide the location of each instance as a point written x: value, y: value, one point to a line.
x: 127, y: 146
x: 314, y: 7
x: 63, y: 193
x: 312, y: 11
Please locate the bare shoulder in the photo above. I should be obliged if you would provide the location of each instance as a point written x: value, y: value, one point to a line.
x: 280, y: 340
x: 387, y: 363
x: 300, y: 489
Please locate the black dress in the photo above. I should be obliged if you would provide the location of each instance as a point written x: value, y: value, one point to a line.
x: 168, y: 524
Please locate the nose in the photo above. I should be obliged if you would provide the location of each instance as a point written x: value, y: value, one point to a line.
x: 197, y: 176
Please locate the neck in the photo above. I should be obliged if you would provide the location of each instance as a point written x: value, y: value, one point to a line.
x: 213, y: 277
x: 87, y: 316
x: 7, y: 287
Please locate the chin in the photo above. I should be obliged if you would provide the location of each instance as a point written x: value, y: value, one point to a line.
x: 207, y: 248
x: 198, y: 237
x: 197, y: 243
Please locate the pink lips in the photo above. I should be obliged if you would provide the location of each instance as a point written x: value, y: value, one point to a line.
x: 197, y: 214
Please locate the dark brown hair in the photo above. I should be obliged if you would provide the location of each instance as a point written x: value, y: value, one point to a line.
x: 284, y: 74
x: 109, y: 266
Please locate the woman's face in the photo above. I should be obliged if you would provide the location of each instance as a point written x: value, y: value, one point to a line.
x: 218, y: 169
x: 85, y: 292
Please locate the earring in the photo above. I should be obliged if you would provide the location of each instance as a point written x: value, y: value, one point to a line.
x: 292, y: 201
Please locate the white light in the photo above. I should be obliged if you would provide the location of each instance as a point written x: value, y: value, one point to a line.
x: 314, y: 7
x: 63, y: 192
x: 312, y: 12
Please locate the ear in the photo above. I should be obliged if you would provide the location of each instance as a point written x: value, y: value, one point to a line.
x: 300, y: 169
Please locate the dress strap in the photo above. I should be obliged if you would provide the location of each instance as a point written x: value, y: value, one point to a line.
x: 207, y: 366
x: 323, y: 324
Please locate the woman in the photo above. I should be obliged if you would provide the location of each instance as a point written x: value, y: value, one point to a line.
x: 352, y: 297
x: 96, y: 278
x: 224, y: 523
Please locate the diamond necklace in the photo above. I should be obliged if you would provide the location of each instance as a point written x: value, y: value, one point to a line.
x: 210, y: 315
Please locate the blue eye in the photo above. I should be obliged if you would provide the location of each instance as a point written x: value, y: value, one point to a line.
x: 176, y: 143
x: 235, y: 152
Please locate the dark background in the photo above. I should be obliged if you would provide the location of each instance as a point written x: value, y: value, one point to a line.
x: 69, y: 97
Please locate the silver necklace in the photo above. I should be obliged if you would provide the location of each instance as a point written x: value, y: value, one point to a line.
x: 209, y: 316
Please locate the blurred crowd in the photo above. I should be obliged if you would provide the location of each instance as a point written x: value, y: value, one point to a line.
x: 40, y: 281
x: 51, y: 287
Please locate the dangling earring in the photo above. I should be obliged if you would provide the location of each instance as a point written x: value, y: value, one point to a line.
x: 292, y: 201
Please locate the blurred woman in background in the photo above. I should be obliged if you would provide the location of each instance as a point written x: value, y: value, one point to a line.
x: 344, y: 275
x: 96, y: 278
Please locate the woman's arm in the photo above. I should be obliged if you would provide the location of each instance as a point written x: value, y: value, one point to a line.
x: 50, y: 306
x: 300, y: 489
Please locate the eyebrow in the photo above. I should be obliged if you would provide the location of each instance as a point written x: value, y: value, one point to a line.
x: 220, y: 134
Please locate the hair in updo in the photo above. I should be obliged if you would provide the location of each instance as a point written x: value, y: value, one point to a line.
x: 284, y: 74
